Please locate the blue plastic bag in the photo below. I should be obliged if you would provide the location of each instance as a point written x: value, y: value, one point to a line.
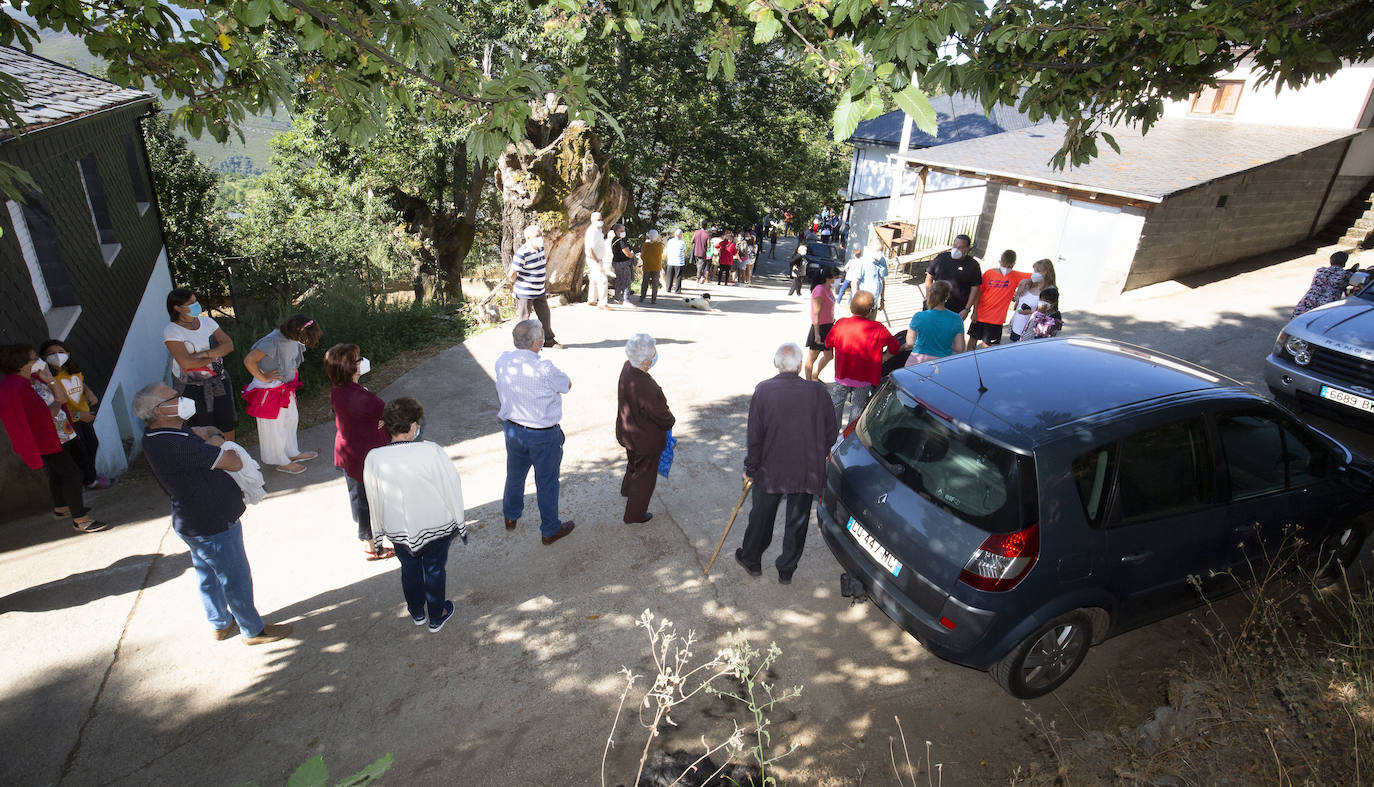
x: 665, y: 460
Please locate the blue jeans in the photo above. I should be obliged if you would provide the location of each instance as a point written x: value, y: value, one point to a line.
x: 423, y: 577
x: 844, y: 287
x: 226, y: 582
x: 541, y: 449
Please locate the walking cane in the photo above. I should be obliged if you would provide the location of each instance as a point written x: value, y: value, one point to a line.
x: 726, y: 534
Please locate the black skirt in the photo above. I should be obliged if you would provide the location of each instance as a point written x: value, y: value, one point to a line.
x: 812, y: 342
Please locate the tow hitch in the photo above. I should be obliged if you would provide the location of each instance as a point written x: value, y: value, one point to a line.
x: 853, y: 588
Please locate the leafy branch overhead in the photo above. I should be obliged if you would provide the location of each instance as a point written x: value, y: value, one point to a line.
x: 1087, y: 63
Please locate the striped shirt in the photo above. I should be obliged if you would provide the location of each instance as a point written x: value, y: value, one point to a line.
x: 529, y: 266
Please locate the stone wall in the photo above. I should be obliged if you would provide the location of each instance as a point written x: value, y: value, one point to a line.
x: 1261, y: 210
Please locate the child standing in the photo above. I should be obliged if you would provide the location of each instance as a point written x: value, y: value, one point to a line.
x: 1047, y: 321
x: 80, y: 407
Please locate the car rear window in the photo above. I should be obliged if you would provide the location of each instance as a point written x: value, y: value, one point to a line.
x: 982, y: 483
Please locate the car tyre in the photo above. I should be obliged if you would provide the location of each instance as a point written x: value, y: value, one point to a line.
x: 1045, y: 659
x: 1338, y: 552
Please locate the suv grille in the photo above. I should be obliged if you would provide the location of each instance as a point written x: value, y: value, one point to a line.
x: 1341, y: 367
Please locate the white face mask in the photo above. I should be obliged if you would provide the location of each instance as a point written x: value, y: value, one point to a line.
x: 1004, y: 270
x: 1037, y: 277
x: 600, y: 223
x: 57, y: 360
x: 537, y: 242
x: 956, y: 253
x: 185, y: 408
x: 364, y: 366
x: 37, y: 366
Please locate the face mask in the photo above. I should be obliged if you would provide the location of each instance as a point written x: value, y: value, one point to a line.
x: 654, y: 362
x: 37, y: 366
x: 419, y: 430
x: 957, y: 254
x: 57, y: 360
x: 185, y: 408
x: 1037, y: 277
x: 1004, y: 270
x: 600, y: 223
x: 538, y: 242
x: 364, y: 366
x: 194, y: 310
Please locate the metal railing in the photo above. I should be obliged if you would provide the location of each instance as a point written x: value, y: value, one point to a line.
x: 941, y: 232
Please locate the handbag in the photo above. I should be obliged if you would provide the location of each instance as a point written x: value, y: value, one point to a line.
x: 665, y: 459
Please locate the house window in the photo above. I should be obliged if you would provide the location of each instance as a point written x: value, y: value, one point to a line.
x: 99, y: 207
x: 37, y: 237
x: 1219, y: 100
x: 136, y: 175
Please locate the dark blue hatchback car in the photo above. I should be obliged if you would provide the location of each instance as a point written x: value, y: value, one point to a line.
x: 1013, y: 507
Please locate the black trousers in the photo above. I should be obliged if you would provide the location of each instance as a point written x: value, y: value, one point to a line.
x: 641, y: 476
x: 723, y: 273
x: 90, y: 444
x: 624, y: 280
x: 674, y: 279
x: 362, y: 513
x: 796, y: 288
x: 64, y: 478
x: 540, y: 307
x: 759, y: 534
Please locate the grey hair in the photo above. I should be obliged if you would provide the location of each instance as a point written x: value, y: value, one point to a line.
x: 532, y: 230
x: 146, y: 401
x: 640, y: 348
x: 596, y: 215
x: 677, y: 232
x: 788, y: 358
x: 653, y: 235
x: 527, y: 334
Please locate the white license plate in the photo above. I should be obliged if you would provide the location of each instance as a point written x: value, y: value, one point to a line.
x: 1350, y: 399
x: 872, y: 547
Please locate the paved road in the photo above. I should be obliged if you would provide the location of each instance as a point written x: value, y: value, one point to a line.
x: 112, y: 676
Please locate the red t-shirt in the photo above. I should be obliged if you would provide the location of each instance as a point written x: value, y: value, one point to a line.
x: 859, y: 343
x: 994, y: 295
x: 728, y: 251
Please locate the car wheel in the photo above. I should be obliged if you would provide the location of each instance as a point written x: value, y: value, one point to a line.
x: 1046, y: 658
x: 1337, y: 553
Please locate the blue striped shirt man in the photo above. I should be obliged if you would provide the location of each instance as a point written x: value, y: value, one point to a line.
x: 529, y: 267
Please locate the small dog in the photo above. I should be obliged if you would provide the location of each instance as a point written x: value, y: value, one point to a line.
x: 702, y: 302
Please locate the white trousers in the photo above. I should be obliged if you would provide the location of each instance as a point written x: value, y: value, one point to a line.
x: 277, y: 436
x: 597, y: 288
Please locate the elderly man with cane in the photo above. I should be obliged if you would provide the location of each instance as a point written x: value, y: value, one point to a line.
x: 791, y: 427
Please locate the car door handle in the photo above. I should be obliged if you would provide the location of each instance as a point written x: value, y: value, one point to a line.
x: 1131, y: 560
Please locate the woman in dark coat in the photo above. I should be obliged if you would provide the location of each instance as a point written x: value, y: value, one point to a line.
x: 641, y: 426
x: 358, y: 425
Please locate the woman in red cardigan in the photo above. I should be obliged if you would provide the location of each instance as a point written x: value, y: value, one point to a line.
x: 358, y: 424
x: 31, y: 411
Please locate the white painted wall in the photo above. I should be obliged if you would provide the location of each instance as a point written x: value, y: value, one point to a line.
x: 1092, y: 245
x: 1336, y: 102
x: 1359, y: 161
x: 143, y: 359
x: 870, y: 174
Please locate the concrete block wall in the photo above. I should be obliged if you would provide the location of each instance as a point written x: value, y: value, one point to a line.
x: 1264, y: 209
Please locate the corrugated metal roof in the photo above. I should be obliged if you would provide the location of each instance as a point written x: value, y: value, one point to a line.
x: 57, y: 93
x: 960, y: 116
x: 1178, y: 154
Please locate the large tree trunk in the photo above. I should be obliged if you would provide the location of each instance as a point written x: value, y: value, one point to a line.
x: 557, y: 179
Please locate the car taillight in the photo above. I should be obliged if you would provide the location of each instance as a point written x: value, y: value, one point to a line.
x: 1003, y: 560
x: 849, y: 430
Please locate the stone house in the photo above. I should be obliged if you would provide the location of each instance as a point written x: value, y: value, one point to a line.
x: 1233, y: 172
x: 82, y: 259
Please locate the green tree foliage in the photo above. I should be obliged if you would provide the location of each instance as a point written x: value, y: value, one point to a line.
x: 306, y: 228
x: 187, y: 196
x: 726, y: 151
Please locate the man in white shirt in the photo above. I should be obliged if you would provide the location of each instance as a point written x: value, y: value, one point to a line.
x: 531, y: 390
x: 852, y: 268
x: 675, y: 251
x: 593, y: 245
x: 871, y: 275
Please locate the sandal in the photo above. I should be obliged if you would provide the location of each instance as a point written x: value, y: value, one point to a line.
x: 368, y: 554
x: 288, y: 469
x: 61, y: 514
x: 306, y: 457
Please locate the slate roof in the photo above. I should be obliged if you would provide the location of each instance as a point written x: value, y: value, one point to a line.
x: 960, y: 117
x: 1178, y: 154
x: 57, y: 93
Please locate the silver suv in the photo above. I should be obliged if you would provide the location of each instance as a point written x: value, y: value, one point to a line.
x: 1323, y: 360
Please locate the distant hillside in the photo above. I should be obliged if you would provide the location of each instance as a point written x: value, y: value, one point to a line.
x: 248, y: 157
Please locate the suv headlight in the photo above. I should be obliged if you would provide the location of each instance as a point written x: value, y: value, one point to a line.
x: 1298, y: 349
